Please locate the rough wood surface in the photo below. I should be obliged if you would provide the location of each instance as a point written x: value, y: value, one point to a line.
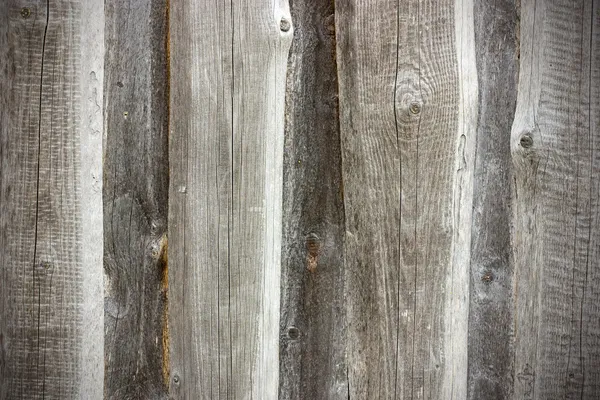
x: 490, y: 300
x: 407, y: 112
x: 228, y: 71
x: 555, y: 148
x: 312, y: 344
x: 136, y: 199
x: 50, y: 241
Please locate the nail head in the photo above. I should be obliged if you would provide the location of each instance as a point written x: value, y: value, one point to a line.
x: 293, y: 333
x: 25, y: 12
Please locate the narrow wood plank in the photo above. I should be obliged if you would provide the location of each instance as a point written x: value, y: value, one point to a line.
x: 135, y: 199
x: 228, y: 68
x: 50, y: 240
x: 490, y: 306
x: 555, y: 153
x: 408, y: 103
x: 312, y: 352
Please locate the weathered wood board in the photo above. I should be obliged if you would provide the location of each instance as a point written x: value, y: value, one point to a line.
x: 408, y: 110
x: 555, y: 148
x: 51, y: 57
x: 312, y: 343
x: 136, y: 184
x: 490, y: 369
x: 227, y: 74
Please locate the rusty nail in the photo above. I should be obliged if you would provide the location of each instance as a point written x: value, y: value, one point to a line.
x: 487, y: 277
x: 25, y: 12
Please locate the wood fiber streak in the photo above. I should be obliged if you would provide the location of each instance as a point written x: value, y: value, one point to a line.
x: 406, y: 110
x: 312, y: 359
x: 557, y: 335
x: 228, y: 70
x: 490, y: 306
x: 41, y: 224
x: 135, y: 198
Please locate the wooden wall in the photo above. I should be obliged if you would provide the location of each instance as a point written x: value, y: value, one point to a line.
x: 351, y: 199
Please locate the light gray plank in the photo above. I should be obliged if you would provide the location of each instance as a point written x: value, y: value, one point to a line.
x: 313, y: 343
x: 228, y: 68
x: 490, y: 300
x: 47, y: 224
x: 408, y: 103
x: 555, y: 150
x: 92, y: 241
x: 135, y: 197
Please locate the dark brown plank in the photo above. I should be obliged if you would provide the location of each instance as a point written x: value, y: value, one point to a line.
x: 312, y: 352
x: 490, y: 306
x: 48, y: 260
x: 135, y: 196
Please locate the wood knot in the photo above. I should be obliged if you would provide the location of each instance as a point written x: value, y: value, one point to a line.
x: 313, y: 245
x: 526, y: 141
x: 329, y: 25
x: 285, y: 25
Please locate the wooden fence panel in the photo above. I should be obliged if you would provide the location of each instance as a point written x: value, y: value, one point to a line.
x: 363, y: 199
x: 555, y: 151
x: 312, y: 355
x: 136, y: 185
x: 228, y: 71
x: 50, y: 178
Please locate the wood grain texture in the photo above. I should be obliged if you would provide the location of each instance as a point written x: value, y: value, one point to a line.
x: 135, y: 199
x: 490, y: 301
x: 44, y: 229
x: 555, y: 150
x: 312, y: 345
x: 228, y: 69
x: 408, y: 103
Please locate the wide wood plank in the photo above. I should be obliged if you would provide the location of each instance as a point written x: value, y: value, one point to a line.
x: 490, y: 299
x: 228, y: 68
x: 135, y: 196
x: 312, y: 364
x: 555, y: 144
x: 408, y: 95
x: 50, y: 238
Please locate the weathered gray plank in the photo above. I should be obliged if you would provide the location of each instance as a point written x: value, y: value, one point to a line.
x: 312, y: 346
x: 408, y: 97
x: 228, y: 68
x: 49, y: 239
x: 135, y: 199
x: 490, y: 305
x: 555, y: 153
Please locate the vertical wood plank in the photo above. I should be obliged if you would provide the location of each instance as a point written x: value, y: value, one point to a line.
x: 408, y: 103
x: 313, y: 344
x: 136, y: 199
x: 490, y: 301
x: 50, y: 241
x: 228, y: 69
x: 555, y: 150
